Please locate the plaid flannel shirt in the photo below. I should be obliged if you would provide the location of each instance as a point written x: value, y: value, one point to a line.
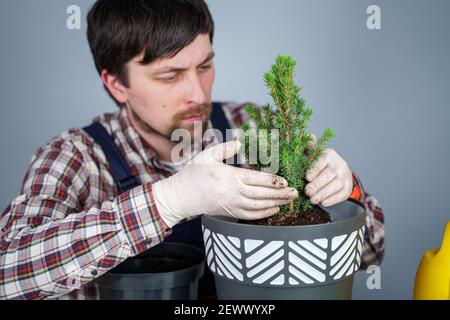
x: 69, y: 224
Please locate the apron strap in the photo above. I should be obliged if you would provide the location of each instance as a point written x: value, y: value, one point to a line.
x: 118, y: 165
x: 219, y: 120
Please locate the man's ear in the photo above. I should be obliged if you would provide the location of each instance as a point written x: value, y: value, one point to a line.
x: 115, y: 86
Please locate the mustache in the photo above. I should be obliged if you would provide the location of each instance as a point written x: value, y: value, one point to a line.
x: 193, y: 111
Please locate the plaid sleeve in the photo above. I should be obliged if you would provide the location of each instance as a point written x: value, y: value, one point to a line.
x: 51, y: 245
x: 373, y: 248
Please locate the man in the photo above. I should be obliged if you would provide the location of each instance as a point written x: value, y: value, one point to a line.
x: 73, y: 222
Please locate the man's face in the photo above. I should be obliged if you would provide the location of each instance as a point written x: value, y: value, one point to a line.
x: 172, y: 93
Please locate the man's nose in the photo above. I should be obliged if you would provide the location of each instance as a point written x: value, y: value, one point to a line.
x: 196, y: 92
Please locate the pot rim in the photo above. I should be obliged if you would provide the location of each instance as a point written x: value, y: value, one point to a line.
x: 176, y: 272
x: 233, y: 221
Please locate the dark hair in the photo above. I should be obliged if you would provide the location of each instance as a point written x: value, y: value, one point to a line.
x: 119, y: 30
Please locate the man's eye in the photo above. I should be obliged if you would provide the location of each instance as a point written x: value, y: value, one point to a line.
x: 206, y: 67
x: 170, y: 79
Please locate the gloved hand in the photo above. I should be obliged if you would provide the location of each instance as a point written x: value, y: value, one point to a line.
x: 208, y: 186
x: 331, y: 180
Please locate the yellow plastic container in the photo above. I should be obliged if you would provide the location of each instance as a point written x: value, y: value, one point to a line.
x: 433, y: 275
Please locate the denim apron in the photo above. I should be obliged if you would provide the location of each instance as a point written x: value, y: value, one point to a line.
x: 188, y: 232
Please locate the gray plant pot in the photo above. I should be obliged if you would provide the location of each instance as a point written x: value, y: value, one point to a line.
x: 146, y: 278
x: 288, y: 262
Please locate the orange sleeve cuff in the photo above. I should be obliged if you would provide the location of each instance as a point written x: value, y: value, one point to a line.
x: 356, y: 192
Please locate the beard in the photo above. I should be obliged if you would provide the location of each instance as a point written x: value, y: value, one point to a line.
x: 177, y: 124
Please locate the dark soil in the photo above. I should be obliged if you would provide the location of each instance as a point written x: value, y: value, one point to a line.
x: 315, y: 215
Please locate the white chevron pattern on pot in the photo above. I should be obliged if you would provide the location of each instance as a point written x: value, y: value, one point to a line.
x: 265, y: 260
x: 225, y: 253
x: 279, y: 262
x: 207, y: 240
x: 346, y: 257
x: 307, y: 262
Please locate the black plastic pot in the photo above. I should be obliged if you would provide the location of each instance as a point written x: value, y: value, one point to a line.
x: 168, y: 271
x: 286, y: 262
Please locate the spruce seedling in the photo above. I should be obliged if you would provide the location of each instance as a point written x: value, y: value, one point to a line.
x: 290, y: 116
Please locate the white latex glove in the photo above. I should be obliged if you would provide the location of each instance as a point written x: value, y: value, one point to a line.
x: 208, y: 186
x: 330, y: 179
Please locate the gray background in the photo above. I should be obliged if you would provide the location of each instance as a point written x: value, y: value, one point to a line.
x: 384, y: 92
